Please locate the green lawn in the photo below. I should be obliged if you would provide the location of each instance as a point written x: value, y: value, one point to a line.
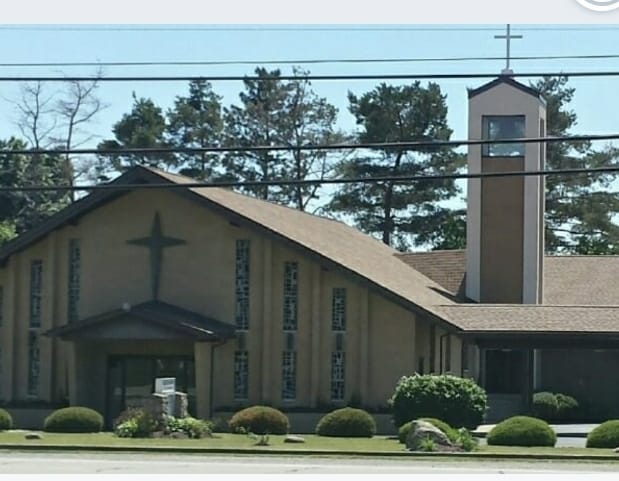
x: 237, y: 441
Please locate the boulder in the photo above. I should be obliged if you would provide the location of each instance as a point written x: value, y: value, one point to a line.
x: 294, y: 439
x: 617, y: 450
x: 177, y: 435
x: 421, y: 430
x: 33, y: 436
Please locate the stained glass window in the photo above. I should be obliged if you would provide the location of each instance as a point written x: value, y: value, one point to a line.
x: 290, y: 296
x: 36, y: 279
x: 242, y: 285
x: 289, y: 375
x: 338, y: 314
x: 241, y: 375
x: 34, y: 366
x: 338, y: 372
x: 73, y: 294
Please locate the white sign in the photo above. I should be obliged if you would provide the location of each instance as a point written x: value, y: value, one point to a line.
x: 165, y: 385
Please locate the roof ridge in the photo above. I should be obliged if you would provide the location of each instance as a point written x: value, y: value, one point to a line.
x: 245, y: 196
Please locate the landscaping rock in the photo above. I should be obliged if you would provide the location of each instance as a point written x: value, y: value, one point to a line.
x: 33, y: 436
x: 617, y: 450
x: 421, y: 430
x: 294, y: 439
x: 179, y: 436
x: 158, y: 435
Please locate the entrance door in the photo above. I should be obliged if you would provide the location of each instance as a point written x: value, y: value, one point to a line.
x: 134, y: 377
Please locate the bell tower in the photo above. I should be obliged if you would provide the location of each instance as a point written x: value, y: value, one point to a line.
x: 505, y: 215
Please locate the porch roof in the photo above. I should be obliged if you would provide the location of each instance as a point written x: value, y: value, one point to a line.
x: 533, y: 319
x: 147, y: 320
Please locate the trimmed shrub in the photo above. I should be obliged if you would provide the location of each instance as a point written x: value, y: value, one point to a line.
x: 545, y: 406
x: 450, y: 432
x: 567, y: 407
x: 606, y: 435
x: 522, y: 431
x: 74, y: 420
x: 260, y: 420
x: 457, y: 401
x: 192, y: 427
x: 135, y: 423
x: 6, y: 421
x: 347, y: 423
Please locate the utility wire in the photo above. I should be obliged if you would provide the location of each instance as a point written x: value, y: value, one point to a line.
x: 216, y: 78
x: 412, y: 145
x: 309, y: 182
x: 299, y: 28
x: 181, y: 63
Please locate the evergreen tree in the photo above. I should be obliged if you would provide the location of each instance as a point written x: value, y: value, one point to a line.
x: 196, y: 121
x: 401, y: 214
x: 580, y: 209
x: 277, y: 112
x: 143, y: 127
x: 20, y: 211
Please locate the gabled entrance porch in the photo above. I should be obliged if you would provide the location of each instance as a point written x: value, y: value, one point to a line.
x: 117, y: 355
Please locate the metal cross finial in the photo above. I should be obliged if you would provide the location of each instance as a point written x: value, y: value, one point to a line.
x: 508, y: 38
x: 156, y: 243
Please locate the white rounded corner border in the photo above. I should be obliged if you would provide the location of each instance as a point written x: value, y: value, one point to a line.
x: 600, y: 5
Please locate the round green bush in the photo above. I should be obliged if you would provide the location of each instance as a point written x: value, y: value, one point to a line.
x: 74, y: 420
x: 567, y: 406
x: 522, y: 431
x: 450, y: 432
x: 457, y: 401
x: 606, y: 435
x: 545, y: 406
x: 347, y: 423
x: 260, y: 420
x: 6, y: 421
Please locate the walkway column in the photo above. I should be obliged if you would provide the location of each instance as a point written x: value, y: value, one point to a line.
x: 203, y: 372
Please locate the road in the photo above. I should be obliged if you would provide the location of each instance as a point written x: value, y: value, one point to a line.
x: 117, y: 463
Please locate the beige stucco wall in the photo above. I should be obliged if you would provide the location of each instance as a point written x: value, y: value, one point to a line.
x: 381, y: 341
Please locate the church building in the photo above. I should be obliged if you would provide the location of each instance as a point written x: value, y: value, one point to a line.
x: 247, y: 302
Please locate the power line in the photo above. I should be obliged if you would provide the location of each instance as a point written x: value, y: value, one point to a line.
x: 179, y: 63
x: 298, y: 28
x: 219, y: 78
x: 412, y: 145
x: 309, y: 182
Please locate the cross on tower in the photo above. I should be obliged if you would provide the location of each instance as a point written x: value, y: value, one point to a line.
x: 508, y: 40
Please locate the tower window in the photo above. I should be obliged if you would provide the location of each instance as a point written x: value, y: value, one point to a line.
x: 503, y: 128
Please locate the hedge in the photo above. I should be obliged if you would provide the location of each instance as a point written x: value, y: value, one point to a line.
x: 74, y: 420
x: 457, y: 401
x: 260, y: 420
x: 522, y: 431
x: 347, y: 423
x: 606, y: 435
x: 6, y: 421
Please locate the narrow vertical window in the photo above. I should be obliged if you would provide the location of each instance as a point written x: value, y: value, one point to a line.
x: 241, y: 375
x: 242, y: 285
x: 289, y: 375
x: 36, y: 278
x: 1, y: 304
x: 33, y: 364
x: 73, y: 293
x: 338, y: 374
x: 338, y: 313
x: 290, y: 296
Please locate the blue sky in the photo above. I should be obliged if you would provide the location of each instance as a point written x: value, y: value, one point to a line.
x: 596, y: 99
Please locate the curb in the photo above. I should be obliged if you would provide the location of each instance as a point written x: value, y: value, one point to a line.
x: 288, y: 452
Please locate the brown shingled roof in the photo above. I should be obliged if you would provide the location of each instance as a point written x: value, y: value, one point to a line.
x: 568, y: 280
x: 480, y: 318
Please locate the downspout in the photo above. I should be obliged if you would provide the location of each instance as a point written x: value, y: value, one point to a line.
x: 212, y: 376
x: 440, y: 363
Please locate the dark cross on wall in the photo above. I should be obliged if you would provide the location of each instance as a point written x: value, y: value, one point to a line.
x: 156, y: 243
